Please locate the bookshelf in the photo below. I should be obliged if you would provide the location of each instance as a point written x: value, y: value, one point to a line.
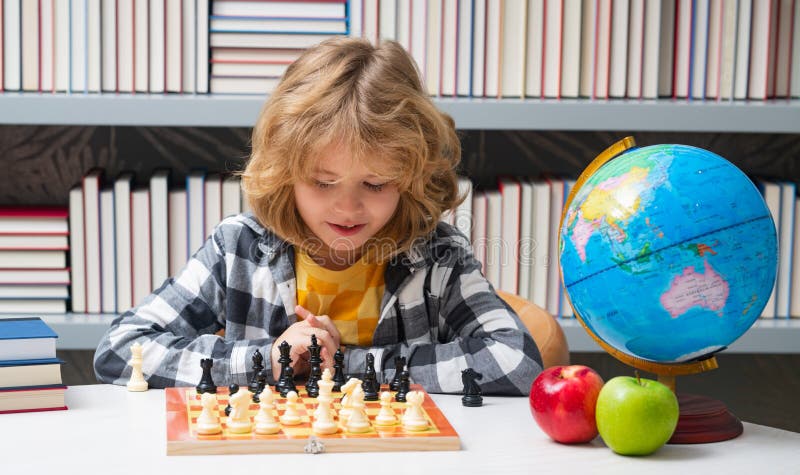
x: 83, y: 332
x: 201, y: 110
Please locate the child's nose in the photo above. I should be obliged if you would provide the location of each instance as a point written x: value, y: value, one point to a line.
x: 349, y: 201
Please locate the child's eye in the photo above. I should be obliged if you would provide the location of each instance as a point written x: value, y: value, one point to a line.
x: 322, y: 185
x: 374, y: 187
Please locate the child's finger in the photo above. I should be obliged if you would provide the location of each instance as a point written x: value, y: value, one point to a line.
x: 302, y: 312
x: 326, y: 323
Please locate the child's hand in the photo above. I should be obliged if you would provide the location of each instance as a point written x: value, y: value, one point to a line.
x: 299, y: 336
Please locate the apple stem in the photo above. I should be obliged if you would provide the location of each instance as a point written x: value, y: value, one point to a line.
x: 638, y: 379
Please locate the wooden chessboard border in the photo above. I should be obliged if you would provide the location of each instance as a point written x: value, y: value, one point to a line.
x: 182, y: 441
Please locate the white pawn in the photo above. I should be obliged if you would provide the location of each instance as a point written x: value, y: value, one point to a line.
x: 386, y: 416
x: 265, y: 421
x: 239, y: 421
x: 291, y: 417
x: 347, y: 390
x: 413, y: 418
x: 324, y: 414
x: 208, y: 420
x: 136, y: 382
x: 357, y: 421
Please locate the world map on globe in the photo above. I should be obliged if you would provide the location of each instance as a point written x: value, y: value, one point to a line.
x: 668, y: 253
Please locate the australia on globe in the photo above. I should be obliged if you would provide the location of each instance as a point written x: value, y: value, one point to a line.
x: 668, y: 253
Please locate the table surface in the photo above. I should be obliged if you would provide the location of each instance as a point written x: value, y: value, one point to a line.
x: 110, y: 430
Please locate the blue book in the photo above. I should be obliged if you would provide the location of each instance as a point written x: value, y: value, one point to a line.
x: 26, y: 339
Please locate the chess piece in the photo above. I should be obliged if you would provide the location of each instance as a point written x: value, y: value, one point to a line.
x: 285, y: 361
x: 413, y: 418
x: 288, y: 385
x: 399, y: 366
x: 261, y: 379
x: 232, y: 389
x: 400, y: 396
x: 258, y: 365
x: 357, y: 421
x: 472, y: 392
x: 208, y: 420
x: 136, y: 382
x: 239, y: 418
x: 386, y: 416
x: 206, y: 384
x: 324, y: 422
x: 338, y: 371
x: 265, y: 419
x: 370, y: 384
x: 312, y: 388
x: 347, y: 390
x: 291, y: 416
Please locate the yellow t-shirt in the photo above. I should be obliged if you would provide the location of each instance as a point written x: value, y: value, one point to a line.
x: 350, y: 297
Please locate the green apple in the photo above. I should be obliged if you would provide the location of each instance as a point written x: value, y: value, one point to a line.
x: 636, y: 416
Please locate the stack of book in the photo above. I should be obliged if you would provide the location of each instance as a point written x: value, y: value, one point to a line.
x: 252, y: 43
x: 30, y: 373
x: 34, y: 277
x: 130, y: 236
x: 104, y: 46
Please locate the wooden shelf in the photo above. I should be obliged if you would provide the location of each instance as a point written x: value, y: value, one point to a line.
x: 83, y: 332
x: 203, y: 110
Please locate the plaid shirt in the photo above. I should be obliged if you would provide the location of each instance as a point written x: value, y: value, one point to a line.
x: 438, y: 311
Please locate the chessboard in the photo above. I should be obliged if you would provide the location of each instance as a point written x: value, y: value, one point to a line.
x: 183, y: 406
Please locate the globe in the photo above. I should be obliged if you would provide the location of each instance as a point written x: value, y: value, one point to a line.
x: 668, y: 253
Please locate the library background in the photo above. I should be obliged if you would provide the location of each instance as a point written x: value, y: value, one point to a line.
x: 155, y: 100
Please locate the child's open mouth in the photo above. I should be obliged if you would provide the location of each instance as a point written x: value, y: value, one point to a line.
x: 346, y: 230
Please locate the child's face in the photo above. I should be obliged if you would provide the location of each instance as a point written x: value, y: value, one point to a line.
x: 344, y: 204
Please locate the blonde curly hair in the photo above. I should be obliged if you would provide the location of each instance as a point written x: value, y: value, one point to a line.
x: 370, y: 100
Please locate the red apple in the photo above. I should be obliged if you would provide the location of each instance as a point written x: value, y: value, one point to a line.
x: 563, y: 401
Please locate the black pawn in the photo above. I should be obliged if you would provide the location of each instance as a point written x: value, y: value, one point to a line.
x: 258, y: 365
x: 261, y: 379
x: 472, y: 392
x: 288, y: 386
x: 315, y: 374
x: 399, y: 365
x: 206, y: 384
x: 370, y: 381
x: 232, y: 389
x: 285, y: 362
x: 404, y: 387
x: 338, y: 371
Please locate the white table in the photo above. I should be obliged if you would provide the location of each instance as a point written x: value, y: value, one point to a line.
x: 112, y: 431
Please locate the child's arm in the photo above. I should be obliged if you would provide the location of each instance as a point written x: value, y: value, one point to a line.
x: 475, y: 329
x: 176, y: 325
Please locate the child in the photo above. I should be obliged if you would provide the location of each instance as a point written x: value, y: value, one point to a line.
x: 351, y: 168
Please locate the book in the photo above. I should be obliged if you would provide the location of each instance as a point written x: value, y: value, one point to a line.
x: 588, y: 37
x: 478, y: 234
x: 618, y: 61
x: 464, y: 49
x: 178, y: 250
x: 108, y: 46
x: 12, y: 45
x: 681, y: 69
x: 786, y: 238
x: 553, y: 273
x: 286, y: 9
x: 510, y: 192
x: 449, y: 48
x: 34, y: 220
x: 32, y: 399
x: 173, y: 46
x: 571, y: 48
x: 26, y: 339
x: 494, y: 237
x: 526, y: 244
x: 122, y: 232
x: 92, y: 11
x: 551, y: 48
x: 42, y: 291
x: 760, y: 31
x: 213, y: 202
x: 140, y: 270
x: 201, y: 47
x: 158, y: 45
x: 77, y: 277
x: 236, y: 24
x: 512, y: 76
x: 141, y: 46
x: 91, y: 235
x: 159, y: 227
x: 650, y: 49
x: 108, y: 258
x: 266, y: 40
x: 189, y: 46
x: 28, y: 241
x: 30, y: 45
x: 742, y: 55
x: 699, y: 53
x: 387, y: 25
x: 433, y: 40
x: 772, y: 197
x: 794, y: 304
x: 195, y: 210
x: 30, y: 372
x: 602, y: 45
x: 636, y: 32
x: 231, y: 196
x: 44, y: 276
x: 33, y: 306
x: 32, y: 259
x: 540, y: 223
x: 478, y: 49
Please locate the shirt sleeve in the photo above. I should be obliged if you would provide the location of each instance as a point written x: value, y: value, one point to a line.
x: 178, y: 325
x: 476, y: 329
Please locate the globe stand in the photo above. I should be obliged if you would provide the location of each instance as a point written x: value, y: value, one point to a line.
x: 702, y: 419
